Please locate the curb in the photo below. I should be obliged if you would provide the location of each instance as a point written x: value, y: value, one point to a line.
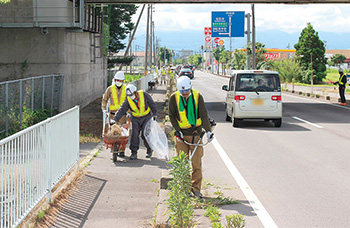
x: 90, y: 155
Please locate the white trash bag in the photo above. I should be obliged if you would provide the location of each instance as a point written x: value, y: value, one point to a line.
x: 156, y: 139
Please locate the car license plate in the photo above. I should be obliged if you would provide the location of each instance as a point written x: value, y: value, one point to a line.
x: 258, y: 101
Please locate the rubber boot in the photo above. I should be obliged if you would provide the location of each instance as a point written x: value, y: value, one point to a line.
x: 121, y: 154
x: 149, y: 153
x: 133, y: 155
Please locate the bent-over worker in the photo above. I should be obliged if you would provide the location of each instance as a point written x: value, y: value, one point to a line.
x: 142, y: 109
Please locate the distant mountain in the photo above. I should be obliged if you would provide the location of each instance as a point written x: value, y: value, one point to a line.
x: 192, y: 40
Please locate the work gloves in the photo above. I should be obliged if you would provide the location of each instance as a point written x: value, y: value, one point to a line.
x: 112, y: 122
x: 105, y: 113
x: 154, y: 118
x: 210, y: 136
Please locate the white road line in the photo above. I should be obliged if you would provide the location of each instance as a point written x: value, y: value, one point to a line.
x: 259, y: 209
x: 305, y: 121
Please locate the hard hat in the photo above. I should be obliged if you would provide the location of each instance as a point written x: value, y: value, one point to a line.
x: 340, y: 70
x: 184, y: 84
x: 119, y: 75
x: 130, y: 89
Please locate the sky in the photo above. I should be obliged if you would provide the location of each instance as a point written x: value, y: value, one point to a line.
x: 181, y: 26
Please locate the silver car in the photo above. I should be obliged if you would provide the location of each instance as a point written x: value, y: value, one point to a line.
x: 254, y: 94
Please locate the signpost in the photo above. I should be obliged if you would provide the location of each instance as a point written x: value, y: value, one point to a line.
x: 227, y: 24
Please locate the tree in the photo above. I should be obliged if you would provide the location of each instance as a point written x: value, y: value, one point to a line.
x: 310, y: 45
x: 289, y: 69
x: 239, y: 59
x: 259, y: 54
x: 164, y: 53
x: 338, y: 59
x: 216, y: 53
x: 120, y: 24
x: 4, y: 1
x: 195, y: 59
x: 225, y: 57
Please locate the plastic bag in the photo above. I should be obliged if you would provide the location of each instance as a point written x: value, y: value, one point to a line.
x: 156, y: 139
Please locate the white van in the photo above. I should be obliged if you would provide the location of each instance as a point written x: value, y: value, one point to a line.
x: 254, y: 94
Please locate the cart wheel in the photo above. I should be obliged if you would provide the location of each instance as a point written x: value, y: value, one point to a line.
x: 115, y: 157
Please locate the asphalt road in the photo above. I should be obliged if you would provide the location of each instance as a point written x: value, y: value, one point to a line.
x: 299, y: 172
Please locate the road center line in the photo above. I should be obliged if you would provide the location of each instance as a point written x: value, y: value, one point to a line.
x: 255, y: 203
x: 305, y: 121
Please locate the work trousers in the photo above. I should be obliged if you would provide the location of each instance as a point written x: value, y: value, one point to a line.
x: 342, y: 94
x: 196, y: 175
x: 138, y: 125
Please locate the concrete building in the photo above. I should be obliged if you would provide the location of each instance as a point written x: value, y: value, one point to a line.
x: 46, y: 37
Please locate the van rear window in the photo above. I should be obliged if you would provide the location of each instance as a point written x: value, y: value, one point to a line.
x: 258, y: 82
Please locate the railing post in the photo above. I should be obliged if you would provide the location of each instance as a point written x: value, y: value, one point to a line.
x: 52, y: 91
x: 48, y: 162
x: 43, y: 94
x: 32, y: 103
x: 7, y: 108
x: 20, y: 103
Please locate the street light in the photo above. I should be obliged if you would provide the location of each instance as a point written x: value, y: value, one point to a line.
x: 312, y: 79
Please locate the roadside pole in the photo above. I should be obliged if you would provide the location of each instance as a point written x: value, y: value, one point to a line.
x: 147, y: 35
x: 253, y: 38
x: 248, y: 39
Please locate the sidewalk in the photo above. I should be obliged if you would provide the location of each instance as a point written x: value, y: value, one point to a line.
x: 121, y: 194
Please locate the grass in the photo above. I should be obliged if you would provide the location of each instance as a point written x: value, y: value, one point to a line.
x: 88, y: 138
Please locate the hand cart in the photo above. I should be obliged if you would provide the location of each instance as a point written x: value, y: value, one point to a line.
x: 119, y: 141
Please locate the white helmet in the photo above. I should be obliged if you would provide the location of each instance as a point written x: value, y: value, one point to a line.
x: 340, y: 70
x: 130, y: 89
x: 119, y: 75
x: 184, y: 84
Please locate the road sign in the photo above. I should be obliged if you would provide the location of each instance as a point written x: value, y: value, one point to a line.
x: 216, y: 40
x: 227, y: 23
x: 207, y: 31
x: 208, y: 38
x: 221, y: 42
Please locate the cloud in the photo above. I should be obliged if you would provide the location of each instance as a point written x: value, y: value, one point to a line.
x: 282, y: 17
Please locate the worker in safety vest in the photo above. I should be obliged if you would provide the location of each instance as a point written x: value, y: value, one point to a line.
x: 188, y: 115
x: 163, y: 76
x: 142, y: 109
x: 342, y: 84
x: 115, y: 94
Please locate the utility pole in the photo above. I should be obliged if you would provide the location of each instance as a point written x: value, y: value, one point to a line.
x: 248, y: 39
x: 151, y: 35
x: 147, y: 42
x: 154, y: 45
x: 253, y: 38
x: 132, y: 36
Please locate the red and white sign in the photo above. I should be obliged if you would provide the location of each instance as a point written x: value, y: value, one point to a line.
x: 216, y: 40
x: 272, y: 56
x: 207, y: 39
x: 207, y: 31
x: 221, y: 42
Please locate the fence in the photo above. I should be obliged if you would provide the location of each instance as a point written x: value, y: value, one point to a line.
x: 33, y: 161
x: 19, y: 98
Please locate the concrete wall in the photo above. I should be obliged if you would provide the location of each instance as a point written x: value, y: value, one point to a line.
x: 58, y: 51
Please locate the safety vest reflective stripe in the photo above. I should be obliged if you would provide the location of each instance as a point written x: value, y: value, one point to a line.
x: 163, y: 72
x: 341, y: 80
x: 139, y: 112
x: 117, y: 102
x: 183, y: 122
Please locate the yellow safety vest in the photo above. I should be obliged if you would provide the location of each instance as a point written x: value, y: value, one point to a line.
x: 183, y: 122
x: 138, y: 112
x: 116, y: 101
x: 163, y: 72
x: 341, y: 79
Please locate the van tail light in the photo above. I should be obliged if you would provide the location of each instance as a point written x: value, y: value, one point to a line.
x: 276, y: 98
x: 239, y: 98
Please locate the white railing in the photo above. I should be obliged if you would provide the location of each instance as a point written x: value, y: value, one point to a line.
x: 33, y: 161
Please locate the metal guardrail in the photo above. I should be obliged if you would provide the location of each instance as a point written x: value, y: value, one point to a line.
x: 19, y: 97
x: 33, y: 161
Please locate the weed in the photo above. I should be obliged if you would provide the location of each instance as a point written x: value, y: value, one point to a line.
x: 217, y: 225
x: 213, y: 213
x: 235, y: 221
x: 154, y: 180
x: 180, y: 205
x: 318, y: 95
x: 218, y: 192
x: 41, y: 215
